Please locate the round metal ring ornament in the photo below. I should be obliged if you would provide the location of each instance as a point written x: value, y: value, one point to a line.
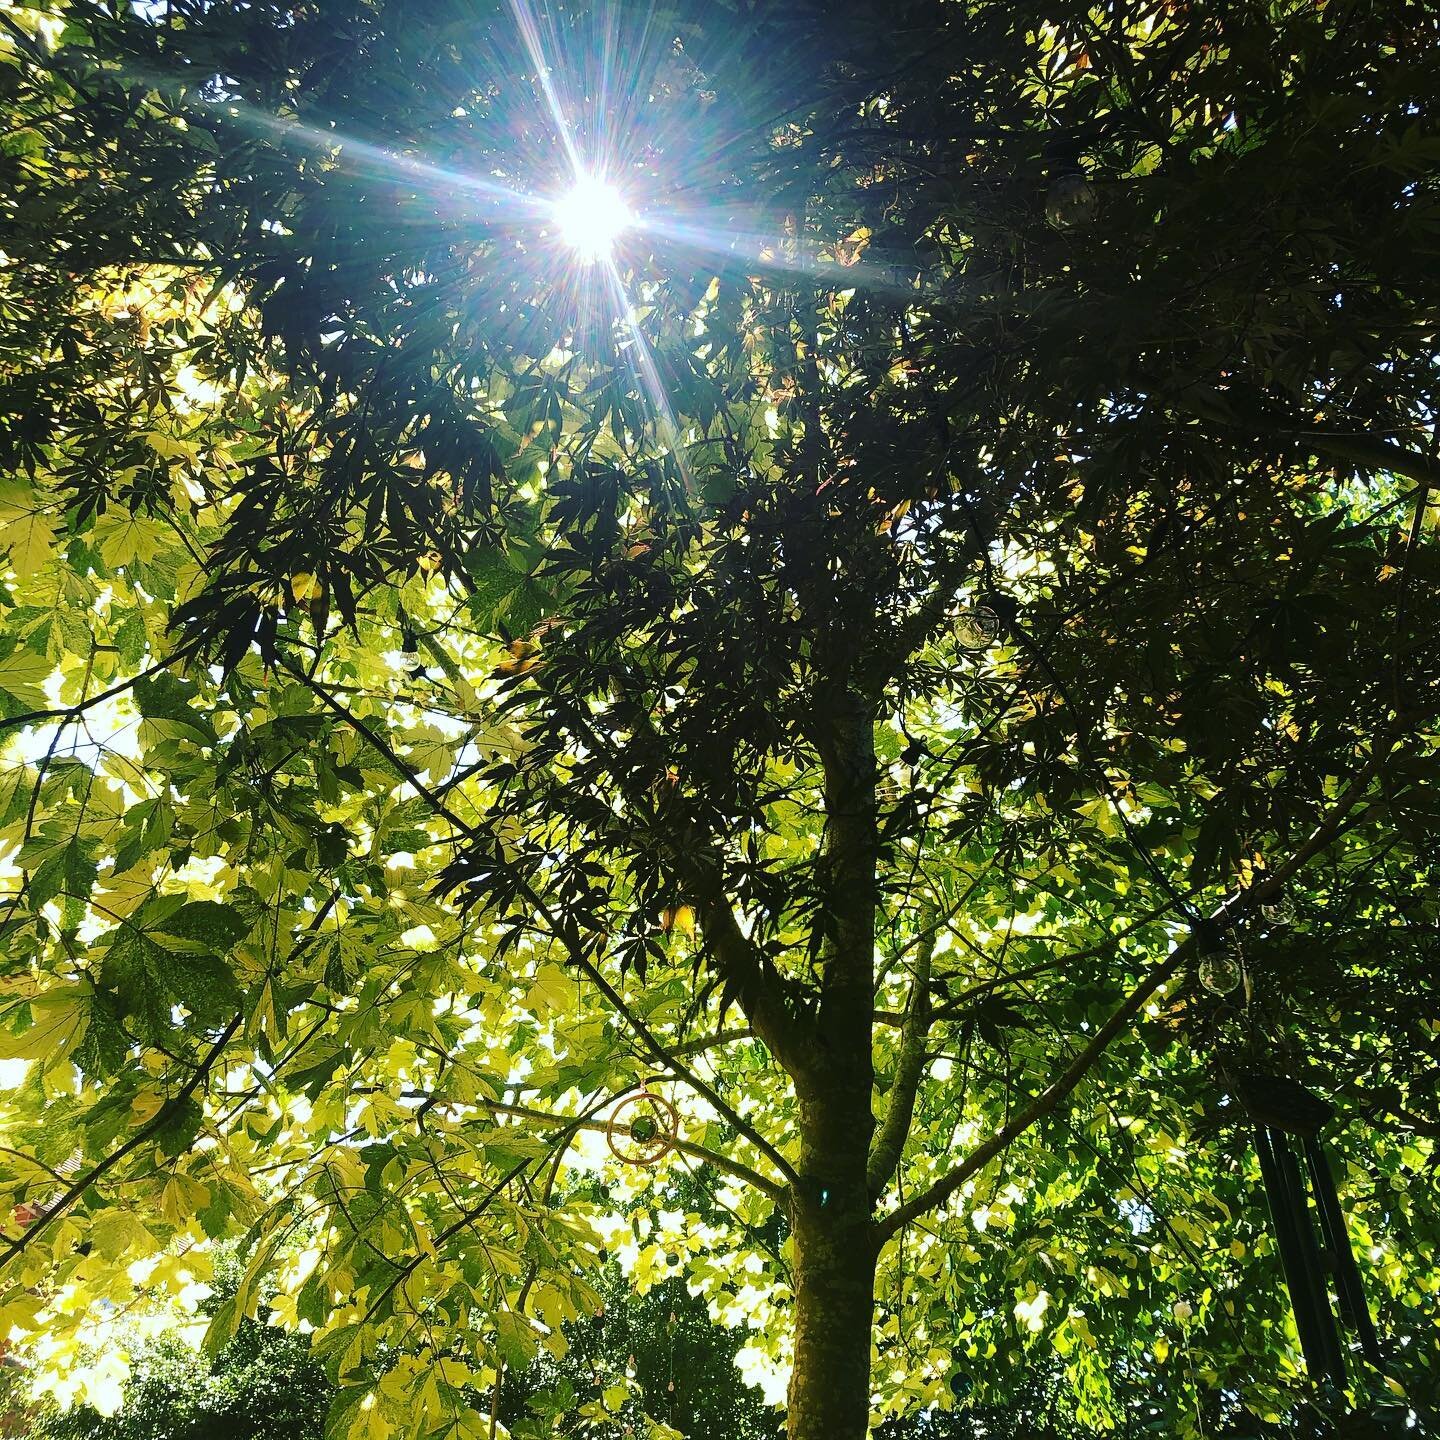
x: 650, y: 1133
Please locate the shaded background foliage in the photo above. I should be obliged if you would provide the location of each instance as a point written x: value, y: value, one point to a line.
x: 266, y: 1385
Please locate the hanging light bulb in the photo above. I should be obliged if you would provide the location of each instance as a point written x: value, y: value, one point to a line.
x: 1221, y: 968
x: 1221, y: 972
x: 977, y: 627
x: 1070, y: 202
x: 1279, y: 911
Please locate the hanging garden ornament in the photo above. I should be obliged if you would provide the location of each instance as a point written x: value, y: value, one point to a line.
x: 642, y: 1128
x: 977, y: 627
x: 1279, y: 911
x: 1221, y: 969
x: 1071, y: 202
x: 1288, y: 1119
x: 887, y: 790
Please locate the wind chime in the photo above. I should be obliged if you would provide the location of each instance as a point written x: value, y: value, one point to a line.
x: 1288, y: 1119
x: 1313, y: 1241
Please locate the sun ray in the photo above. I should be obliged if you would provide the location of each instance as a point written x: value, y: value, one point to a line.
x: 439, y: 179
x: 592, y: 139
x: 648, y: 373
x: 529, y: 28
x: 591, y: 215
x: 764, y: 251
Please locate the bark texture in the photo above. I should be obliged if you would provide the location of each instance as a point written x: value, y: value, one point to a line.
x: 830, y: 1211
x: 834, y: 1302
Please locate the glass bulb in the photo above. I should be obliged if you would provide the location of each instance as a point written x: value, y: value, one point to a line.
x: 1070, y: 202
x: 1221, y: 970
x: 977, y: 626
x: 1279, y: 911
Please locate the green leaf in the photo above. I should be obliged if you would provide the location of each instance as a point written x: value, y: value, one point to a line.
x: 57, y: 1024
x: 70, y: 870
x: 31, y: 542
x: 516, y: 1337
x: 165, y: 697
x: 204, y: 922
x: 19, y: 143
x: 223, y: 1325
x: 131, y: 640
x: 181, y: 1127
x: 23, y: 674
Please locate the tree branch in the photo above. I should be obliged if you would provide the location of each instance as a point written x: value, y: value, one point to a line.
x: 1060, y: 1089
x: 1375, y: 455
x: 778, y: 1193
x: 1362, y: 450
x: 957, y: 1004
x: 703, y: 1043
x: 73, y: 712
x: 1041, y: 1105
x: 574, y: 948
x: 749, y: 975
x: 379, y: 743
x: 846, y: 865
x: 579, y: 957
x: 889, y: 1142
x: 466, y: 1218
x: 102, y: 1167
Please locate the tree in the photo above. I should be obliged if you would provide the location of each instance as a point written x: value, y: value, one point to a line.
x: 650, y: 1359
x: 262, y: 1386
x: 657, y: 1352
x: 843, y: 663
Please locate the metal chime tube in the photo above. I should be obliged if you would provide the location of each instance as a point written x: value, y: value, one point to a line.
x: 1353, y: 1308
x: 1312, y: 1259
x: 1301, y: 1262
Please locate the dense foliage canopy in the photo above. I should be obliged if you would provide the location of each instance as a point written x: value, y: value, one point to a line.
x: 860, y: 661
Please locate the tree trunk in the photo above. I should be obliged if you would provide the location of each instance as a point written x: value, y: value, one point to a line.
x: 830, y: 1211
x: 835, y: 1253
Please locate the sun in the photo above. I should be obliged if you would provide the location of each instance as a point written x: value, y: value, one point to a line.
x: 591, y: 216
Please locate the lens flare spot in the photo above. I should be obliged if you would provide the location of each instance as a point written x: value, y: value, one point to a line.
x: 590, y: 217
